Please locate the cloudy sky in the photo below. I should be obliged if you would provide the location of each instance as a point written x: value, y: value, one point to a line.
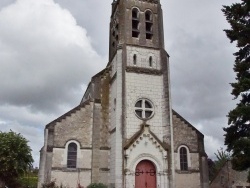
x: 49, y: 49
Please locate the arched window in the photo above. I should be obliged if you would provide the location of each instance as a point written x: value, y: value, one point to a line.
x: 134, y: 59
x: 72, y: 155
x: 149, y: 24
x: 135, y: 23
x: 183, y: 159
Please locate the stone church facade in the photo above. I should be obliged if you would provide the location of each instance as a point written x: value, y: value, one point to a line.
x: 124, y: 132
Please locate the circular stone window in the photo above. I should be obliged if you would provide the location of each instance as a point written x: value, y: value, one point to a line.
x: 144, y: 109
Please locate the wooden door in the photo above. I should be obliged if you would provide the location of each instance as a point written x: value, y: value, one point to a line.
x: 145, y: 175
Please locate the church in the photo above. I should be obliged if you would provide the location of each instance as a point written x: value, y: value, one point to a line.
x: 124, y: 132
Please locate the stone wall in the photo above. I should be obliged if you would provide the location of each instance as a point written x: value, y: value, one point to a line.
x: 185, y: 135
x: 187, y: 180
x: 143, y: 81
x: 70, y: 179
x: 115, y: 127
x: 75, y: 126
x: 142, y: 56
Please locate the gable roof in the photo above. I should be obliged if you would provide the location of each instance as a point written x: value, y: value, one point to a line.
x: 187, y: 123
x: 59, y: 119
x: 132, y: 140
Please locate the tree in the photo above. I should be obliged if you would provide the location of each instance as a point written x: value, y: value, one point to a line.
x: 15, y: 157
x: 214, y: 166
x: 237, y: 137
x: 222, y: 157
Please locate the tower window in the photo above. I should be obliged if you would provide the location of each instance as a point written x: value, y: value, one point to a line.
x: 134, y: 59
x: 150, y: 61
x: 72, y: 155
x: 183, y: 159
x: 149, y: 24
x: 148, y: 16
x: 135, y: 23
x: 114, y: 33
x: 135, y: 14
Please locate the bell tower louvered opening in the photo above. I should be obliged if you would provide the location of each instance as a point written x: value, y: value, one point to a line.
x: 135, y: 23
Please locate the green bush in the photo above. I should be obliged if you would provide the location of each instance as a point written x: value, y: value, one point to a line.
x: 97, y: 185
x: 52, y: 184
x: 29, y: 182
x: 49, y: 185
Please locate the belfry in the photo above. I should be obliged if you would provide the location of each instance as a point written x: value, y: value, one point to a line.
x: 124, y: 132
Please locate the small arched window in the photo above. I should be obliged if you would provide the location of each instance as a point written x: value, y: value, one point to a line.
x: 134, y: 59
x: 135, y: 13
x: 150, y: 61
x: 149, y: 24
x: 72, y: 155
x: 183, y: 159
x: 148, y: 15
x: 135, y: 23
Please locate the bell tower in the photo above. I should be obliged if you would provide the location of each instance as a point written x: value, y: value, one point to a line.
x: 136, y: 23
x: 141, y: 129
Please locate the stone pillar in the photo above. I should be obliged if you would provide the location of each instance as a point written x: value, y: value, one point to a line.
x: 95, y: 174
x: 42, y: 164
x: 41, y: 168
x: 205, y: 179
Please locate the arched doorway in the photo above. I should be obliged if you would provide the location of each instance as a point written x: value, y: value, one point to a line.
x: 145, y: 175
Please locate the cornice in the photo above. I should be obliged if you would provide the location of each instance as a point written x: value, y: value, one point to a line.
x: 151, y: 1
x: 142, y: 70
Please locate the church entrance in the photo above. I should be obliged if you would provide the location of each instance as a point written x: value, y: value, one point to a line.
x: 145, y: 175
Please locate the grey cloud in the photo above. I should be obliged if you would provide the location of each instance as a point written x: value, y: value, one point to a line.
x: 201, y: 63
x: 4, y: 3
x: 47, y: 59
x: 93, y: 15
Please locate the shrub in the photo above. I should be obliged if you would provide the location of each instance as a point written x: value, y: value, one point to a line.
x: 29, y: 182
x: 97, y: 185
x: 49, y: 185
x: 52, y: 184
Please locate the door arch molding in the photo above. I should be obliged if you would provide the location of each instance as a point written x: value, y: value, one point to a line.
x: 158, y: 165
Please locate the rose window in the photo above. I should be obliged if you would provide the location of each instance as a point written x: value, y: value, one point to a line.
x: 144, y: 109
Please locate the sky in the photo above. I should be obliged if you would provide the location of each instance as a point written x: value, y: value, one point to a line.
x: 49, y: 49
